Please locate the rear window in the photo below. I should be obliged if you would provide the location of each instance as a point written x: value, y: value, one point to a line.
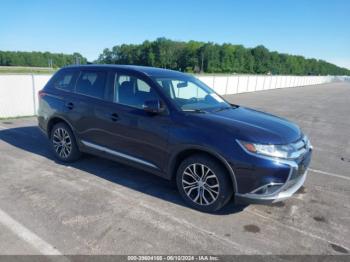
x: 92, y: 83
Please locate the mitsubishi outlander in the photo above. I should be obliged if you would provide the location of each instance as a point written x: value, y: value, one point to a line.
x: 174, y: 126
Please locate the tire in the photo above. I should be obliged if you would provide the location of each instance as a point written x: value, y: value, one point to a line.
x: 204, y: 183
x: 70, y: 152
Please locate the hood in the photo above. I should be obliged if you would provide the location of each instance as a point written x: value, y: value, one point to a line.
x: 255, y: 126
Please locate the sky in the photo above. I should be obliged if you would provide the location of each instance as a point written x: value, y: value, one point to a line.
x: 312, y: 28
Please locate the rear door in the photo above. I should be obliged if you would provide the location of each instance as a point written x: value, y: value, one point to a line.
x: 89, y: 93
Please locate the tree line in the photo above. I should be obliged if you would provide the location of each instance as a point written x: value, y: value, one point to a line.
x: 194, y: 56
x: 39, y: 59
x: 191, y: 56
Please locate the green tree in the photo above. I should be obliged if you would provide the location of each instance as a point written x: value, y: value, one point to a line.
x: 209, y: 57
x: 39, y: 59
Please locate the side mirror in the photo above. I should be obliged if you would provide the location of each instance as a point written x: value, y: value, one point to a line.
x: 182, y: 84
x: 153, y: 106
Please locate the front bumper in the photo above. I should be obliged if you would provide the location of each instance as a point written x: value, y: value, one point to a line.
x: 287, y: 192
x: 273, y: 192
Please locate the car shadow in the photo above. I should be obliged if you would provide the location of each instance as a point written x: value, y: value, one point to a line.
x: 31, y: 139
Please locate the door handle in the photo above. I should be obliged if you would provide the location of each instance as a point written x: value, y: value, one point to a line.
x: 114, y: 117
x: 70, y: 105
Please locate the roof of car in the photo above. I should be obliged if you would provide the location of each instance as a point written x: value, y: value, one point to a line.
x: 150, y: 71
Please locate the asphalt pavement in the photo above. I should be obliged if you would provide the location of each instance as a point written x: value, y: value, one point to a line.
x: 96, y: 206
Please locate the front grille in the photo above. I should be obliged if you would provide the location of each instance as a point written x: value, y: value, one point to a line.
x: 303, y: 163
x: 294, y: 175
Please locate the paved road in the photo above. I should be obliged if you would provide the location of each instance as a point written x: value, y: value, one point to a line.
x: 96, y: 206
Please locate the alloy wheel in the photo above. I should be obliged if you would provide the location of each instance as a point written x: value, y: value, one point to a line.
x: 200, y: 184
x: 62, y: 142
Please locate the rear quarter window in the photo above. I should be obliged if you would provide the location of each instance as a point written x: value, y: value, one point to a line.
x: 64, y: 80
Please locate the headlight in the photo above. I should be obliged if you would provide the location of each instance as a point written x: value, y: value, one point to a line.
x: 280, y: 151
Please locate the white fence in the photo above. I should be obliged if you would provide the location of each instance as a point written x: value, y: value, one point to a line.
x: 18, y: 93
x: 234, y: 84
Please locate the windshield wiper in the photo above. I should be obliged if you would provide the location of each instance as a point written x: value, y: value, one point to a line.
x: 222, y: 108
x: 226, y: 108
x: 193, y: 110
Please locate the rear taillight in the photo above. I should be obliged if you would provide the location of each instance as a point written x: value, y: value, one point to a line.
x: 41, y: 93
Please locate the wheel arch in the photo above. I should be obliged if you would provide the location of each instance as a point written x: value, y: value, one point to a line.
x: 180, y: 155
x: 55, y: 120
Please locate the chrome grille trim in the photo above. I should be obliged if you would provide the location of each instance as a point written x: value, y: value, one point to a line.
x: 301, y: 147
x: 300, y: 144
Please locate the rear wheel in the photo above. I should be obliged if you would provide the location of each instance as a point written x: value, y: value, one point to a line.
x: 63, y: 143
x: 204, y: 183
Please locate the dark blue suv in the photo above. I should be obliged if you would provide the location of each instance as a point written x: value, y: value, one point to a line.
x: 171, y: 124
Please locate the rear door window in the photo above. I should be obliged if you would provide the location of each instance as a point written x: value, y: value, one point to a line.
x: 92, y: 83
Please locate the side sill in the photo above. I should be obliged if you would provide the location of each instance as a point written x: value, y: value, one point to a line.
x: 118, y: 154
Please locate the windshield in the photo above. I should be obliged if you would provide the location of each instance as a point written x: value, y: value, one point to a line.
x: 190, y: 94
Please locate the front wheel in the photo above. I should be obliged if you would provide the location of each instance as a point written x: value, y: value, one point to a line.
x: 204, y: 183
x: 63, y: 143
